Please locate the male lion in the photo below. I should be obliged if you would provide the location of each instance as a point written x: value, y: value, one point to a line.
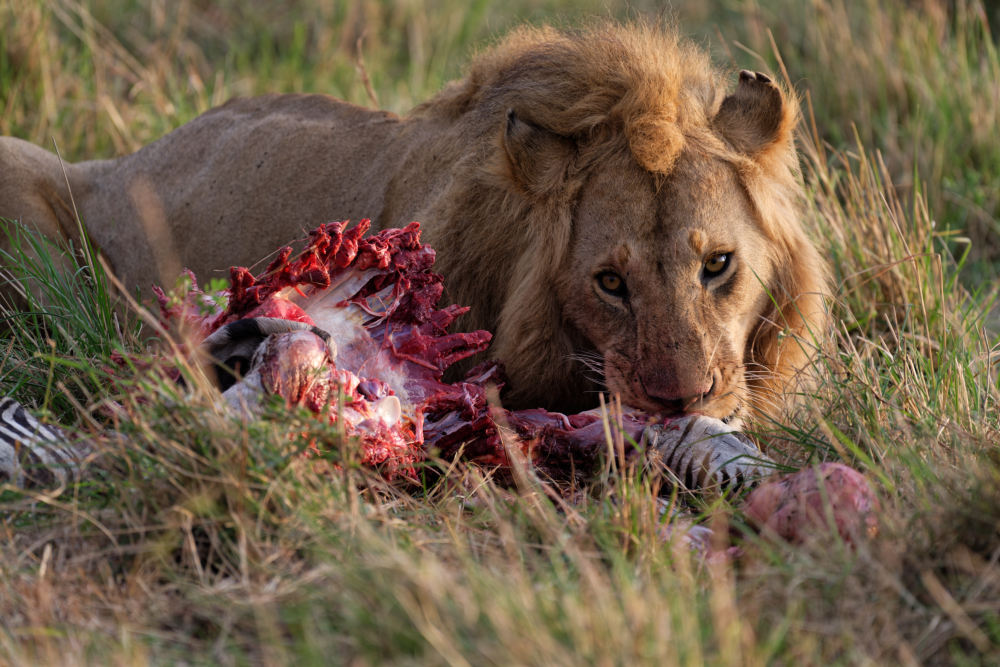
x: 594, y: 196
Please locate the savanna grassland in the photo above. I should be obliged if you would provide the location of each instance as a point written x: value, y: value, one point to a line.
x: 206, y: 539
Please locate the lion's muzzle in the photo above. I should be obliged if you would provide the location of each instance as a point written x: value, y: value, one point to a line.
x: 678, y: 390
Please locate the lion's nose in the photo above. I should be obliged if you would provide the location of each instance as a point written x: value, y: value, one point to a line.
x: 678, y: 396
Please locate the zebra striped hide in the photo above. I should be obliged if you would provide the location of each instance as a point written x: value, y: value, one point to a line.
x: 699, y: 453
x: 33, y: 454
x: 695, y: 453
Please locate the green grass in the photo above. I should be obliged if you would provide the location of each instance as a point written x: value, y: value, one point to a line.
x: 64, y: 324
x: 207, y: 539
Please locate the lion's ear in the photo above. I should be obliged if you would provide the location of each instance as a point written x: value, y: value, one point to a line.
x: 537, y: 160
x: 757, y: 117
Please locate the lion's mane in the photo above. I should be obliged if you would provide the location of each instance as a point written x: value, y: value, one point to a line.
x: 609, y: 89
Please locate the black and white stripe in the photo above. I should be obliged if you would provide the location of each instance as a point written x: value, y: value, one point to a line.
x: 705, y: 454
x: 33, y: 454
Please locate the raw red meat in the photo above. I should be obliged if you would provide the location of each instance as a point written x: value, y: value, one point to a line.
x: 388, y: 348
x: 810, y: 502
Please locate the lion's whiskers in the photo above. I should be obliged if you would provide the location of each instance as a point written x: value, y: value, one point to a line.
x: 758, y: 372
x: 593, y: 364
x: 746, y: 393
x: 763, y: 400
x: 592, y: 361
x: 760, y: 375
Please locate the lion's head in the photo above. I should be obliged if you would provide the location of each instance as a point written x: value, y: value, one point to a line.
x: 636, y: 227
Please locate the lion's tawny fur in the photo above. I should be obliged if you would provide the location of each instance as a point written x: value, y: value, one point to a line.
x: 560, y: 154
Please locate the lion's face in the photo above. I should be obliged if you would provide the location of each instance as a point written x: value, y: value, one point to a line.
x: 665, y: 283
x: 629, y: 226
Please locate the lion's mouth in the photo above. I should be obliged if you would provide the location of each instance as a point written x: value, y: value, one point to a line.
x: 727, y: 405
x: 733, y: 418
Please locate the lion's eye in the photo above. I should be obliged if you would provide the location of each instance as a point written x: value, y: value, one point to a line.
x: 612, y: 283
x: 716, y: 264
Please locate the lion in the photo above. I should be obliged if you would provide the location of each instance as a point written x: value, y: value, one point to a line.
x: 617, y: 219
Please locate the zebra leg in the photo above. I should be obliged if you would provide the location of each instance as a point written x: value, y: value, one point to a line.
x: 33, y: 454
x: 704, y: 454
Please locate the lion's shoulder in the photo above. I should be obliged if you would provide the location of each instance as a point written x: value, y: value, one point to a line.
x: 306, y: 106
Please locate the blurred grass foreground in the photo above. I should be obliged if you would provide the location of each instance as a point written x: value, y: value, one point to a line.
x: 209, y: 543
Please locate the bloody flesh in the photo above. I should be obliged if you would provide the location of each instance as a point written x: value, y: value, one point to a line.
x: 377, y: 298
x: 376, y: 347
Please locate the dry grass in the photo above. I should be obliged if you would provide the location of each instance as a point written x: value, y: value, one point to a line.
x: 919, y: 81
x: 211, y: 540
